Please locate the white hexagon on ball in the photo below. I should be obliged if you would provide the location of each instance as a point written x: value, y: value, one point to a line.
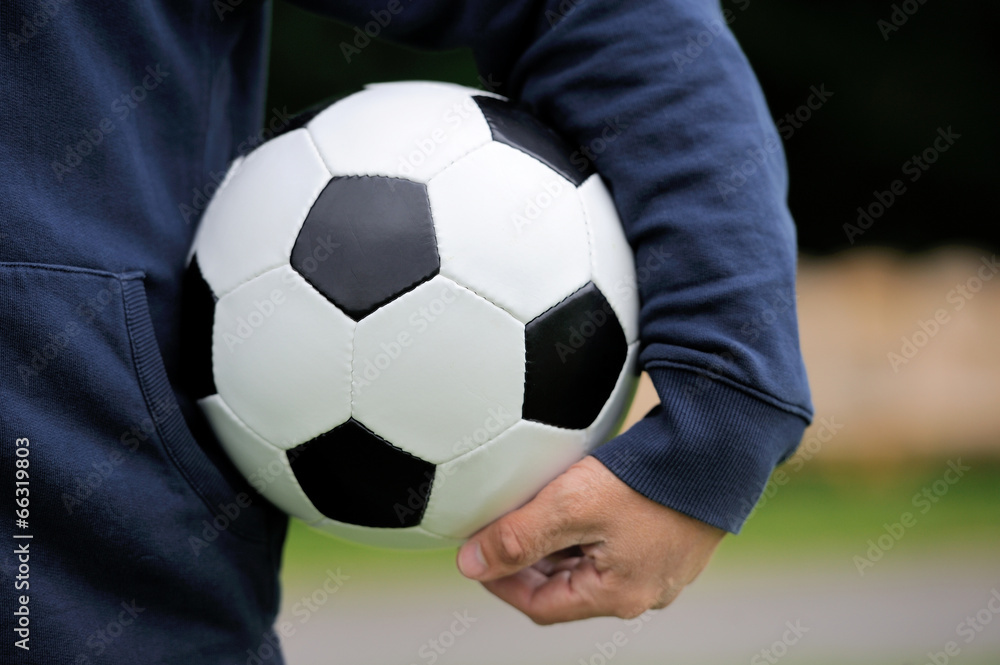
x: 483, y: 484
x: 252, y: 221
x: 511, y: 229
x: 409, y: 130
x: 438, y: 371
x: 282, y: 358
x: 258, y: 459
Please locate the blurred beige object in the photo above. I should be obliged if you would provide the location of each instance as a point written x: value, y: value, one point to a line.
x: 942, y: 310
x: 645, y: 399
x: 939, y: 313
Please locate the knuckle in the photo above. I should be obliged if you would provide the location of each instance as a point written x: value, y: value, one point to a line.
x: 559, y: 493
x: 582, y: 482
x: 511, y: 549
x: 664, y: 597
x: 568, y: 504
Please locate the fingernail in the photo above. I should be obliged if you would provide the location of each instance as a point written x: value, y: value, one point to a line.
x: 470, y: 560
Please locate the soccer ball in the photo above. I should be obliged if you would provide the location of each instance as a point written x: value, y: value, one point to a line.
x: 411, y: 311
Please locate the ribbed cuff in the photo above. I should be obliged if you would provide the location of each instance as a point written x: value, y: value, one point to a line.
x: 707, y: 450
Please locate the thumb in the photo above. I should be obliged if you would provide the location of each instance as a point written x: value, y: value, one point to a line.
x: 520, y: 539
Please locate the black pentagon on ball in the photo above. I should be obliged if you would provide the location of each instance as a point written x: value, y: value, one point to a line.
x: 352, y: 475
x: 197, y: 318
x: 367, y: 240
x: 574, y: 355
x: 518, y: 128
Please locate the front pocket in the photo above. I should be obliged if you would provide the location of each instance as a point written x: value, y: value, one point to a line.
x: 82, y: 371
x: 126, y: 509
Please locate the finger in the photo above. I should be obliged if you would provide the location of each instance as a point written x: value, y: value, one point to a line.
x: 568, y: 595
x: 567, y: 564
x: 545, y: 566
x: 552, y: 564
x: 544, y: 525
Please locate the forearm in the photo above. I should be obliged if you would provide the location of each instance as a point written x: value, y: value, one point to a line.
x: 658, y: 94
x: 715, y: 252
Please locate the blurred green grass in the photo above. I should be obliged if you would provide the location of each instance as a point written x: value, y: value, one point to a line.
x: 832, y: 510
x: 824, y: 512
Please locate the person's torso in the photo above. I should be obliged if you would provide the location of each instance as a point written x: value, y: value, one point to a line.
x: 119, y: 120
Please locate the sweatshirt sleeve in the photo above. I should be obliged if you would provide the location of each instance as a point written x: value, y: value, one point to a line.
x: 658, y: 94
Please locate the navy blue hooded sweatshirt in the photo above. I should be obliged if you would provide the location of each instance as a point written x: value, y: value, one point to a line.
x: 146, y: 546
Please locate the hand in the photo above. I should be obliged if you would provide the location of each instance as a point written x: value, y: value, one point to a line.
x: 588, y: 545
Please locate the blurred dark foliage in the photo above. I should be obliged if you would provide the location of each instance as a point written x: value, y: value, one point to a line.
x: 892, y: 91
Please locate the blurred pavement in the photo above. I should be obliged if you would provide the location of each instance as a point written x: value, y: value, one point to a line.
x: 894, y: 614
